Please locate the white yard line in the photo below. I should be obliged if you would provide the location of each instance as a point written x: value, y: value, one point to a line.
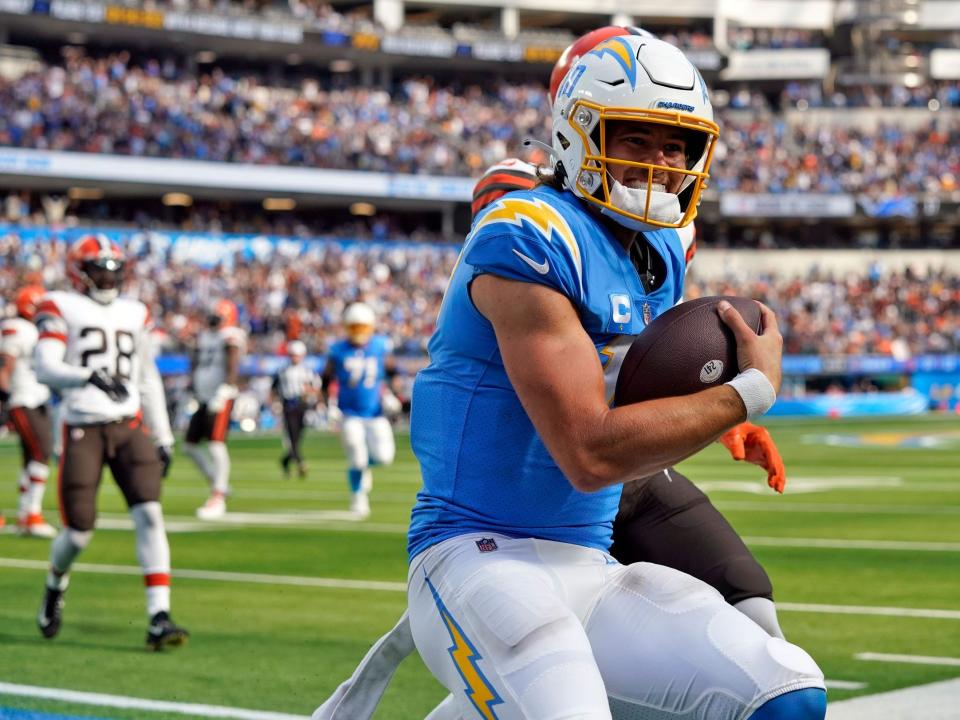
x: 216, y: 576
x: 937, y: 701
x: 843, y: 544
x: 844, y: 508
x: 910, y: 659
x: 927, y: 613
x: 132, y: 703
x: 293, y: 520
x: 343, y: 520
x: 844, y: 685
x: 386, y: 586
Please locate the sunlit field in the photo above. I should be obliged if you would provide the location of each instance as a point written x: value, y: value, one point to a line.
x: 284, y: 596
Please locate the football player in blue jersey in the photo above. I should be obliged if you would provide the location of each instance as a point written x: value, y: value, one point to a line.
x: 515, y: 605
x: 361, y: 365
x: 356, y: 698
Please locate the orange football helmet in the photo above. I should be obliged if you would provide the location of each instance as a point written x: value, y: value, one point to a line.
x: 95, y: 267
x: 26, y: 299
x: 223, y: 314
x: 582, y: 45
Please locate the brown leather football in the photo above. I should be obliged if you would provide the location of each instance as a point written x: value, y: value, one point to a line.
x: 685, y: 350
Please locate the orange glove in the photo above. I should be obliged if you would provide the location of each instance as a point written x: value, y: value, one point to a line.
x: 753, y: 443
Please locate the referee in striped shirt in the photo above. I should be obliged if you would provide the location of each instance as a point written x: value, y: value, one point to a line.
x: 296, y: 385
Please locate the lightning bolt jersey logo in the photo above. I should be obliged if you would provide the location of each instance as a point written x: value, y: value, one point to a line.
x: 539, y: 216
x: 621, y: 51
x: 466, y: 659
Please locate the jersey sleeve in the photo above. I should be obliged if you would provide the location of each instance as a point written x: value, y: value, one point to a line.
x: 527, y: 240
x: 10, y: 341
x: 49, y: 321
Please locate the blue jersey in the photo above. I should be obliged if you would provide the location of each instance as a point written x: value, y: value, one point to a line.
x: 360, y: 373
x: 484, y: 467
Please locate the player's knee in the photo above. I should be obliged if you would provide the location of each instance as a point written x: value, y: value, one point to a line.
x: 38, y: 470
x: 79, y: 538
x: 147, y: 514
x: 806, y: 704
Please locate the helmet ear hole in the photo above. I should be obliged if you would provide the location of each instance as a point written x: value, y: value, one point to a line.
x: 564, y: 143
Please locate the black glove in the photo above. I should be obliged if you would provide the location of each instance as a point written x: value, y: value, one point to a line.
x: 110, y: 384
x: 165, y: 454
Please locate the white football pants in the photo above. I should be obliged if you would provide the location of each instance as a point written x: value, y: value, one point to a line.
x: 552, y: 631
x: 367, y: 440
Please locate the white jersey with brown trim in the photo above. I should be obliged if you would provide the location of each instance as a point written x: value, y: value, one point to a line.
x: 97, y: 336
x: 18, y: 338
x: 210, y: 367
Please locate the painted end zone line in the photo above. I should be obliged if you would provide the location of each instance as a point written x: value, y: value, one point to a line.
x: 120, y: 701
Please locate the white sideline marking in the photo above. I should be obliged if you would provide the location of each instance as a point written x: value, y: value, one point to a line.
x: 936, y: 701
x: 260, y: 578
x: 121, y: 701
x: 928, y: 613
x: 841, y: 544
x: 911, y: 659
x: 256, y: 578
x: 846, y: 508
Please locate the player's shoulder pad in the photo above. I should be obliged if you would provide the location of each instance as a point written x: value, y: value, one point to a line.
x: 531, y: 236
x: 136, y: 310
x: 233, y: 336
x: 49, y: 316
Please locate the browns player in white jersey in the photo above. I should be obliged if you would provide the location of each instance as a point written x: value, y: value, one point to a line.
x: 95, y: 349
x: 216, y: 363
x: 26, y: 401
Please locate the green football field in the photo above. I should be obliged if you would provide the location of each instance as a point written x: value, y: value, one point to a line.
x: 285, y: 596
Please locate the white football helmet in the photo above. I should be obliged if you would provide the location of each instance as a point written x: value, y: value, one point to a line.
x: 359, y: 320
x: 633, y: 79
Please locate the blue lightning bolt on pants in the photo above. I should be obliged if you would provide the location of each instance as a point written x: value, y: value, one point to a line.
x: 525, y: 628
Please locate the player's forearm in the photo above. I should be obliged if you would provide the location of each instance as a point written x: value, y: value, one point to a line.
x: 638, y: 440
x: 154, y: 402
x: 233, y: 366
x: 53, y: 371
x: 7, y: 363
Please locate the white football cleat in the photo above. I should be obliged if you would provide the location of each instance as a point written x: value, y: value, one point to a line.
x: 360, y: 505
x: 214, y: 508
x: 34, y: 525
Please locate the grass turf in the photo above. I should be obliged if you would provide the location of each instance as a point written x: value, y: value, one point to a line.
x: 283, y: 648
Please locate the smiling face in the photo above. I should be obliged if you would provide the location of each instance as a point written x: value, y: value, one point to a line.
x: 652, y: 143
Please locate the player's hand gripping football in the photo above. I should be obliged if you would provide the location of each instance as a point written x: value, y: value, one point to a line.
x: 110, y: 384
x: 753, y: 443
x: 764, y: 351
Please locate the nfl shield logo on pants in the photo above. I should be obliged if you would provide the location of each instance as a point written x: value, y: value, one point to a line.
x: 486, y: 544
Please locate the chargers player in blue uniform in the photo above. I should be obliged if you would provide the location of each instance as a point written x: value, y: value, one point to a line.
x: 361, y: 366
x: 515, y: 605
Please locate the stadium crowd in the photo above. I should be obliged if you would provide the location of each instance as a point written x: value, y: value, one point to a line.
x: 280, y: 292
x: 898, y: 313
x: 424, y: 125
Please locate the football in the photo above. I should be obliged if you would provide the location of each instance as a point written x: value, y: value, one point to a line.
x: 685, y: 350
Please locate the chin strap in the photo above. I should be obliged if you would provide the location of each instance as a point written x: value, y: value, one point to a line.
x: 664, y: 206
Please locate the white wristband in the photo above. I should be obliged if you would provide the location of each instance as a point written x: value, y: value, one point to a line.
x: 755, y: 390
